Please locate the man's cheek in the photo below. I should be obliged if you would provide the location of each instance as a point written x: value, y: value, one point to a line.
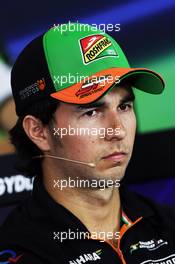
x: 77, y: 146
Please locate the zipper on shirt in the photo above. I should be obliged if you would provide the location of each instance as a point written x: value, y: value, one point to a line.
x: 123, y: 230
x: 126, y: 226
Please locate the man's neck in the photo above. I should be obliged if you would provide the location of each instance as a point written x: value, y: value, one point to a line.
x: 98, y: 210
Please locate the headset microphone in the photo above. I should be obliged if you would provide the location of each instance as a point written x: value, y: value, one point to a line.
x: 92, y: 165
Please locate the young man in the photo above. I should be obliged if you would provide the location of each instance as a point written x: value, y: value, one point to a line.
x: 80, y: 83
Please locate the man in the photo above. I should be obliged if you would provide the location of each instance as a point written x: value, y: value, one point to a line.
x: 80, y: 83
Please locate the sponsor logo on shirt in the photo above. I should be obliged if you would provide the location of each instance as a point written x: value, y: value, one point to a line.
x: 87, y: 257
x: 10, y: 255
x: 152, y: 244
x: 167, y: 260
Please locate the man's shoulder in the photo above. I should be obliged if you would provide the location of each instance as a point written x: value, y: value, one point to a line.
x: 144, y: 206
x: 27, y: 235
x: 17, y: 219
x: 17, y: 235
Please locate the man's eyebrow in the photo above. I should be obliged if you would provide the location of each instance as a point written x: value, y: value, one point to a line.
x: 91, y: 105
x: 130, y: 97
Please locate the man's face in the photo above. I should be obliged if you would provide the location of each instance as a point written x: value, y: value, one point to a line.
x: 110, y: 126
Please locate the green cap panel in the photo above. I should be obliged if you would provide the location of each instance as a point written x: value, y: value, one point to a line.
x: 75, y: 55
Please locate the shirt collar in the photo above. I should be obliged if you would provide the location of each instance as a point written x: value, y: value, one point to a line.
x: 135, y: 205
x: 45, y: 208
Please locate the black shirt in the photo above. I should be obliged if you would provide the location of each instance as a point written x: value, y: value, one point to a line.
x: 32, y: 233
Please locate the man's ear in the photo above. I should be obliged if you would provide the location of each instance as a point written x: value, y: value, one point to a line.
x: 37, y: 132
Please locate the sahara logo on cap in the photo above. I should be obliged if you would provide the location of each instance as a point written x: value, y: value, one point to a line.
x: 92, y: 86
x: 95, y: 47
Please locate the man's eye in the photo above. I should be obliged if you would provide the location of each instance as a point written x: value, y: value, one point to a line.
x: 91, y: 113
x: 125, y: 107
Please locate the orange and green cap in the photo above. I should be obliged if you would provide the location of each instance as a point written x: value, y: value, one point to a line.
x: 77, y: 65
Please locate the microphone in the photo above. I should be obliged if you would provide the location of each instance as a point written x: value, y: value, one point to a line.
x: 90, y: 164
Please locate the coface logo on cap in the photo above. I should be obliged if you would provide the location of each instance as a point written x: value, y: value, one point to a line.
x: 95, y: 47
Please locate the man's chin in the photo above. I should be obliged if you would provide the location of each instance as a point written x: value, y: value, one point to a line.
x: 115, y: 173
x: 111, y: 179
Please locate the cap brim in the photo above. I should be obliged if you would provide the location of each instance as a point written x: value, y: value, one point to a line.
x: 93, y: 87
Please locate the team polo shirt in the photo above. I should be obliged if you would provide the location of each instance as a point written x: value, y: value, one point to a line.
x: 31, y: 233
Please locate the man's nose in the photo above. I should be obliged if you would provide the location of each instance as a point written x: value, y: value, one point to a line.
x: 115, y: 129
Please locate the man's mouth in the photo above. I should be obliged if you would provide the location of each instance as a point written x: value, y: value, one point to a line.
x: 115, y: 156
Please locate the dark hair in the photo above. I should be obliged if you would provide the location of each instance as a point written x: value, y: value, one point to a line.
x: 25, y: 148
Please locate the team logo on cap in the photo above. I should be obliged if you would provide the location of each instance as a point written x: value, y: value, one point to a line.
x: 92, y: 86
x: 96, y: 47
x: 41, y: 84
x: 32, y: 89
